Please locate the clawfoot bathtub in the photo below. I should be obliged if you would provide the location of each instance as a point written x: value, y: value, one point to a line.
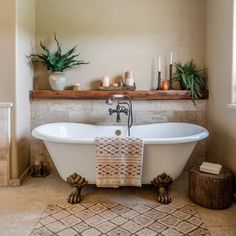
x: 167, y: 146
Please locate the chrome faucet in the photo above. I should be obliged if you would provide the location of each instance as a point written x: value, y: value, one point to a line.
x: 120, y: 108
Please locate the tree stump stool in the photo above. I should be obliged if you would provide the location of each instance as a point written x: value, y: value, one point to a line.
x: 209, y: 190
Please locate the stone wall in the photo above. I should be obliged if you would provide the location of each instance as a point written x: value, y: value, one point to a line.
x: 4, y: 144
x: 96, y: 112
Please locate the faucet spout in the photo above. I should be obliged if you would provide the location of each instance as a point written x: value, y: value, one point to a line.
x: 118, y: 117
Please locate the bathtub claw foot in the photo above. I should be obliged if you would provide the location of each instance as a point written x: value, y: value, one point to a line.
x: 163, y: 196
x: 77, y: 183
x: 162, y: 182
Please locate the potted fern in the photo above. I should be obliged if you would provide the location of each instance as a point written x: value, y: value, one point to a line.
x: 57, y: 62
x: 191, y: 78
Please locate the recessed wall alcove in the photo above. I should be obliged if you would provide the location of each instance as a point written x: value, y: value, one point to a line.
x: 113, y: 36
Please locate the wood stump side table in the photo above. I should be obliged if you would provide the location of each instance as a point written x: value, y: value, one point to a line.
x: 211, y: 191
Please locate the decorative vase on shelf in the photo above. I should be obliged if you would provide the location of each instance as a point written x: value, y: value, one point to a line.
x: 57, y: 81
x: 57, y: 62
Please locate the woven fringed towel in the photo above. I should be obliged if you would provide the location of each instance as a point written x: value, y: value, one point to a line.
x: 119, y: 161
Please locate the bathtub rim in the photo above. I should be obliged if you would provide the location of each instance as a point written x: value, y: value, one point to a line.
x: 185, y: 139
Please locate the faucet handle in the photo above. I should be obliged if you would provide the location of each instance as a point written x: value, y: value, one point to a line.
x: 110, y: 111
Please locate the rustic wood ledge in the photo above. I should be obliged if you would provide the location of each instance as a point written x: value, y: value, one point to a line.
x: 96, y: 95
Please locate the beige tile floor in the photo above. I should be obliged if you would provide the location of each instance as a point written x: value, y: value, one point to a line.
x: 21, y: 208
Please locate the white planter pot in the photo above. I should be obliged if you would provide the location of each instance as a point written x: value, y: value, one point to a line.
x: 57, y: 81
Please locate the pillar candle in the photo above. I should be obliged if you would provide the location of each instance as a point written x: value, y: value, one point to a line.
x: 37, y: 162
x: 76, y: 86
x: 106, y: 81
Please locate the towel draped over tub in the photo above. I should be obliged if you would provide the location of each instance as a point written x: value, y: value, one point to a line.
x: 119, y: 161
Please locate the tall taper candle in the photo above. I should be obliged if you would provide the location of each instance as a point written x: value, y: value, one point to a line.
x: 171, y: 58
x: 159, y: 64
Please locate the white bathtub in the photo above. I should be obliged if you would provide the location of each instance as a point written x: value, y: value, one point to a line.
x: 167, y: 148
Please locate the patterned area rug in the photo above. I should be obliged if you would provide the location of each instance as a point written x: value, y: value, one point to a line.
x: 93, y: 219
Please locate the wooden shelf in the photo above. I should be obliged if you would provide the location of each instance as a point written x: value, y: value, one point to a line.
x: 96, y: 95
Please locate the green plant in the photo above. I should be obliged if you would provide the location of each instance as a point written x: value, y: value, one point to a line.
x: 191, y: 78
x: 57, y: 61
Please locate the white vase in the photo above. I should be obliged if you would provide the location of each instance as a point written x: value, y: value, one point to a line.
x: 57, y: 81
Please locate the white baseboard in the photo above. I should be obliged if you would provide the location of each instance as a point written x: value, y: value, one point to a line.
x: 18, y: 182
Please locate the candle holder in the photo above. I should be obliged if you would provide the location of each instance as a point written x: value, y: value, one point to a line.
x: 159, y: 81
x: 171, y: 79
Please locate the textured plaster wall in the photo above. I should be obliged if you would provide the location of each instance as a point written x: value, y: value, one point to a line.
x: 96, y: 112
x: 7, y: 49
x: 221, y: 120
x: 17, y: 37
x: 4, y: 145
x: 119, y: 35
x: 8, y: 66
x: 25, y: 38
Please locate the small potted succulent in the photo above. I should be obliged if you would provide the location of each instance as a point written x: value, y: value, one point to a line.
x: 191, y: 78
x: 57, y: 63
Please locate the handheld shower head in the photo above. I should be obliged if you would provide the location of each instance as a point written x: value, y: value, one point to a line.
x: 110, y: 100
x: 118, y: 96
